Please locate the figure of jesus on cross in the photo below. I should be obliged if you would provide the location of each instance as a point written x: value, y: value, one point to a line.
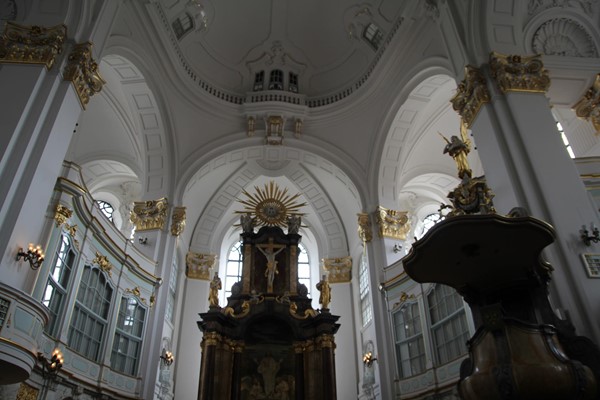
x: 269, y: 251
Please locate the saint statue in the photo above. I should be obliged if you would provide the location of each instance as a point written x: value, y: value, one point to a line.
x: 325, y: 289
x: 458, y: 148
x: 293, y: 223
x: 271, y: 270
x: 213, y: 292
x: 247, y: 222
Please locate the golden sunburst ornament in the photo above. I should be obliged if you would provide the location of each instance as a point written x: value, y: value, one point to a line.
x: 270, y: 205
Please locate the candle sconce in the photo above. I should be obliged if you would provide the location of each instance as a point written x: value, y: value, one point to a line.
x: 34, y: 255
x: 167, y: 358
x: 368, y: 359
x: 50, y: 367
x: 587, y: 238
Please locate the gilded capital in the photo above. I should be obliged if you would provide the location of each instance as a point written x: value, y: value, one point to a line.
x: 198, y: 265
x: 588, y: 107
x: 515, y: 73
x: 472, y: 93
x: 62, y: 214
x: 31, y: 44
x: 178, y: 221
x: 339, y: 269
x: 149, y: 215
x: 392, y: 224
x: 211, y: 339
x: 365, y: 233
x: 83, y: 72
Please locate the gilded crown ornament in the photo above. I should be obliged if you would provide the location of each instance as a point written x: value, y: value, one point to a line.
x: 270, y: 206
x: 31, y: 44
x: 588, y: 107
x: 471, y: 94
x: 514, y: 73
x: 83, y: 72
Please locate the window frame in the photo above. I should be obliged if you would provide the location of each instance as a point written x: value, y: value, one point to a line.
x: 54, y: 287
x: 82, y: 314
x: 120, y: 335
x: 417, y: 337
x: 364, y: 290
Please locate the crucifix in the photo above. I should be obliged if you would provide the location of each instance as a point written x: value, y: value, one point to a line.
x: 269, y: 251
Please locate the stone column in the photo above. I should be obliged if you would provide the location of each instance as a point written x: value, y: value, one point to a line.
x: 527, y: 165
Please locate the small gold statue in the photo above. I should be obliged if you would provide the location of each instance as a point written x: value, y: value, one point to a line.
x: 325, y: 289
x: 213, y: 292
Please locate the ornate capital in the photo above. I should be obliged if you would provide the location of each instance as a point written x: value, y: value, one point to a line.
x: 62, y: 214
x: 365, y: 233
x: 210, y: 339
x: 339, y: 269
x: 198, y: 265
x: 31, y: 44
x: 148, y: 215
x: 326, y: 340
x: 83, y: 72
x: 588, y: 107
x: 178, y: 221
x: 515, y: 73
x: 103, y: 263
x: 392, y: 224
x: 471, y: 94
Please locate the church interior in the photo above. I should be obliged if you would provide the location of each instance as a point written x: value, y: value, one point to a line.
x: 285, y: 199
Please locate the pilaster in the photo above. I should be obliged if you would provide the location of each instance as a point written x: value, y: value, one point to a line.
x: 527, y: 165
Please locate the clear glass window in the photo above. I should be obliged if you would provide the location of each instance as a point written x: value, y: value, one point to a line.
x: 304, y: 268
x: 561, y: 131
x: 276, y: 80
x: 363, y: 283
x: 58, y: 280
x: 127, y: 342
x: 106, y: 208
x: 259, y: 81
x: 233, y: 268
x: 410, y: 348
x: 373, y: 35
x: 182, y: 25
x: 90, y: 314
x: 293, y: 82
x: 449, y: 327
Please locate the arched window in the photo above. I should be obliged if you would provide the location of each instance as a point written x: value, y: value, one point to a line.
x: 259, y: 80
x: 106, y: 208
x: 408, y: 334
x: 428, y: 222
x: 364, y: 290
x: 182, y: 25
x: 127, y: 342
x: 276, y: 80
x: 373, y: 35
x: 90, y: 314
x: 303, y: 267
x: 58, y: 280
x: 233, y: 269
x: 449, y: 328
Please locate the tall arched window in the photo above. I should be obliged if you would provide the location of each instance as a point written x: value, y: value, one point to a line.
x: 58, y: 280
x: 410, y: 348
x: 303, y: 267
x: 364, y: 290
x: 90, y: 314
x: 233, y: 269
x: 127, y: 342
x: 449, y: 328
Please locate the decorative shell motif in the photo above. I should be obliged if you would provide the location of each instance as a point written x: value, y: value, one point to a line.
x: 563, y: 37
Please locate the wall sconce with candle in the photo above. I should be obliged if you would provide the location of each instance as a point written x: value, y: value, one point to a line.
x: 34, y: 255
x: 368, y: 359
x: 167, y: 357
x: 50, y: 367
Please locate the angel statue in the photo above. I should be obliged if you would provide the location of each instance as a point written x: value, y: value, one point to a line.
x: 458, y: 148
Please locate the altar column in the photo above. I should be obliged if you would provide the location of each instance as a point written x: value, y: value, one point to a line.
x: 527, y: 165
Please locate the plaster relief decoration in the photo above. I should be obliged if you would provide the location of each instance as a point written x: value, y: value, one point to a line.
x: 563, y: 37
x: 178, y: 221
x: 339, y: 269
x: 31, y: 44
x: 150, y: 214
x: 137, y: 293
x: 392, y: 224
x: 535, y: 6
x: 588, y: 107
x: 365, y: 233
x: 471, y: 94
x: 27, y: 392
x: 103, y: 263
x: 198, y: 265
x: 514, y: 73
x: 83, y: 72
